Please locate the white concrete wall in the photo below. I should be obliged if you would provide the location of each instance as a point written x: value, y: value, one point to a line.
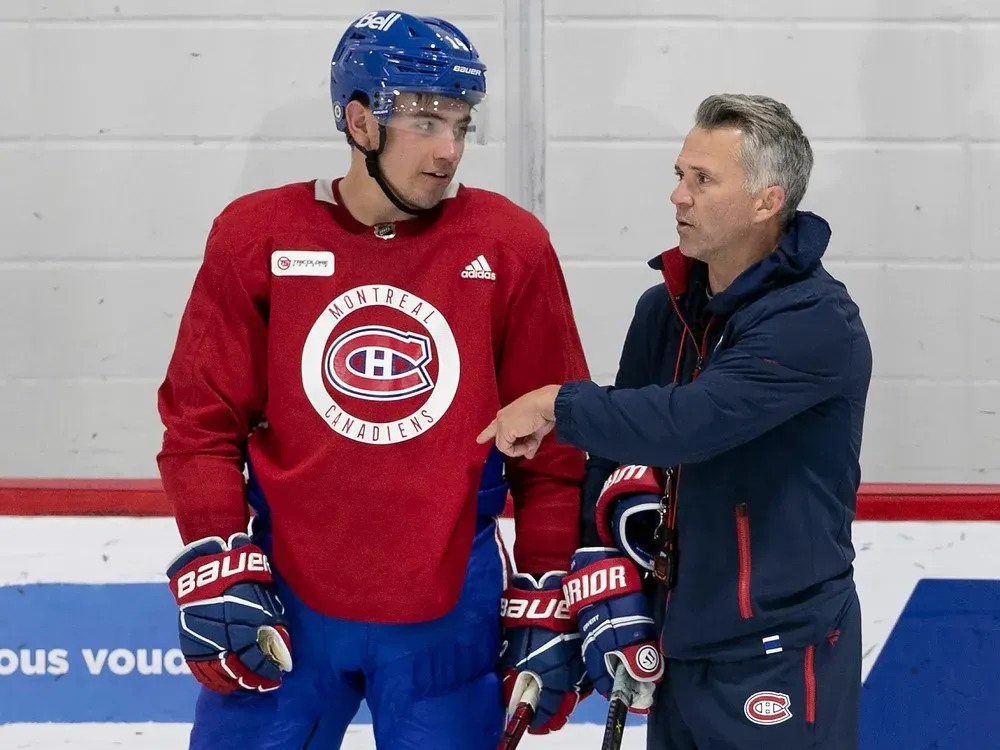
x: 126, y: 126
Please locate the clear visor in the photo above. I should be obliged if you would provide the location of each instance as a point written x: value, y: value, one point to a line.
x: 433, y: 116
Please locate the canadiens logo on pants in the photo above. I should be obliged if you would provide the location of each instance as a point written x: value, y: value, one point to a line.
x: 767, y: 708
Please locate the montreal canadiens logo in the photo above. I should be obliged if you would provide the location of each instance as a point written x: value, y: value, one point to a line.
x: 381, y: 364
x: 767, y: 708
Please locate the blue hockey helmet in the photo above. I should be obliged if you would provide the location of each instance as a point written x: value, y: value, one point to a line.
x: 386, y: 53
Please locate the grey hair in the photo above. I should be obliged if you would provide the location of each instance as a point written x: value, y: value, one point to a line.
x: 774, y: 149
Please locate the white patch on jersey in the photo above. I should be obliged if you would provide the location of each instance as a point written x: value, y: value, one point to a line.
x: 317, y: 353
x: 302, y: 263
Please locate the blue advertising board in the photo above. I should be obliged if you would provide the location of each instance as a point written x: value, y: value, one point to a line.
x: 108, y: 653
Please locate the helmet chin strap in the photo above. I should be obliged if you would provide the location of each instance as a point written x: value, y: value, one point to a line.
x: 375, y: 172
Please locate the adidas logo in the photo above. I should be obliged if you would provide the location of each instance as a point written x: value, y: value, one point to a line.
x: 479, y: 269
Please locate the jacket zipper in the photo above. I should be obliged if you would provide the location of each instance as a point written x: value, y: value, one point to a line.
x: 664, y: 567
x: 743, y: 545
x: 702, y: 350
x: 810, y: 684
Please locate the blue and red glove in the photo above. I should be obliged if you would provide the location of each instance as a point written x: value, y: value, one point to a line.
x: 604, y: 593
x: 233, y: 633
x: 604, y: 588
x: 629, y: 510
x: 541, y: 643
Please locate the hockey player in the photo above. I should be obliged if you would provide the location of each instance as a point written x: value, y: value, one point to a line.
x: 342, y: 343
x: 732, y: 438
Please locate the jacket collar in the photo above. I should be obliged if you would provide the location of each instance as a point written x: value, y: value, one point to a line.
x: 797, y: 255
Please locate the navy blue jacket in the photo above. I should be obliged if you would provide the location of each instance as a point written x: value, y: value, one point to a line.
x: 754, y: 400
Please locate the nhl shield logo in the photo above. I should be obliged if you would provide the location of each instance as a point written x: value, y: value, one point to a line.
x: 767, y: 708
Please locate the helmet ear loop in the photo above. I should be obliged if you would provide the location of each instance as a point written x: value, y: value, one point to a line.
x: 372, y: 154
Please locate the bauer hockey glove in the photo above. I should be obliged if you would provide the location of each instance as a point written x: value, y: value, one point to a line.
x: 604, y: 592
x: 541, y: 643
x: 629, y: 511
x: 232, y: 629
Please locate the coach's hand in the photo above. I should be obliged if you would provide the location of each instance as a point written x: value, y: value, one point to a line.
x: 520, y: 426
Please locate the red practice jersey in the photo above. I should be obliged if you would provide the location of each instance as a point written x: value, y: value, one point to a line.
x: 353, y: 367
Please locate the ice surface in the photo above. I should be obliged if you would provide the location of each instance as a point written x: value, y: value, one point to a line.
x: 174, y: 737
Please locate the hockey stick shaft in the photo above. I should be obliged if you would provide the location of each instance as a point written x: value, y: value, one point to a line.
x: 520, y: 720
x: 622, y: 693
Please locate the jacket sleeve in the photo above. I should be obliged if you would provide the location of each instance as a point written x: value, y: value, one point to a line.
x: 541, y: 345
x: 787, y: 362
x: 214, y: 391
x: 633, y: 372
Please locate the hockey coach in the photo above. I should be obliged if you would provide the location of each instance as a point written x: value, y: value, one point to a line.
x: 724, y: 463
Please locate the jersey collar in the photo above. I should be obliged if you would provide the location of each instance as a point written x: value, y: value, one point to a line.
x: 328, y: 191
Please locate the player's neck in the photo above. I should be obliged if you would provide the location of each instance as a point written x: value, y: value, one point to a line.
x: 725, y: 266
x: 366, y: 202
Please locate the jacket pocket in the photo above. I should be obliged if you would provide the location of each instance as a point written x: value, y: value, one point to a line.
x: 743, y: 546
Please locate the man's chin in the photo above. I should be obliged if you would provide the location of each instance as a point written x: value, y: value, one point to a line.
x: 426, y: 201
x: 689, y: 249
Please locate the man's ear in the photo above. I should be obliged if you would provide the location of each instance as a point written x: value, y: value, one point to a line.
x: 361, y: 124
x: 769, y: 202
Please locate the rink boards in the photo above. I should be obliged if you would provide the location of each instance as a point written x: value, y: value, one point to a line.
x: 87, y: 628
